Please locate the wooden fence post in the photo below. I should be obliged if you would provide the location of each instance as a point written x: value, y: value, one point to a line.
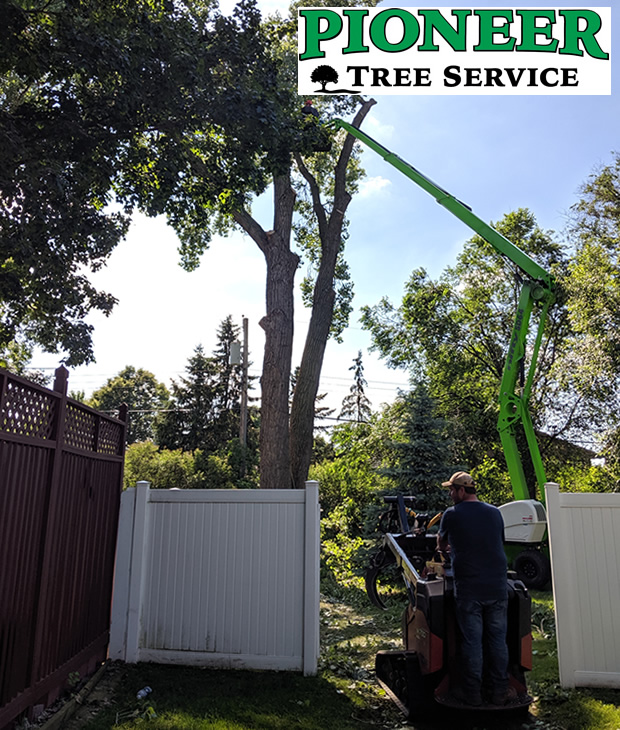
x: 61, y: 380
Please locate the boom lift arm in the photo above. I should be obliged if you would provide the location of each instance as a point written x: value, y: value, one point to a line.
x: 538, y: 286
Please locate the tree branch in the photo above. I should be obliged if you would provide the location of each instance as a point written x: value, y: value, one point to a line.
x: 315, y: 192
x: 345, y: 154
x: 256, y: 232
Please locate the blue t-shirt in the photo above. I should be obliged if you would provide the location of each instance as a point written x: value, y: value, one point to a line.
x: 475, y: 531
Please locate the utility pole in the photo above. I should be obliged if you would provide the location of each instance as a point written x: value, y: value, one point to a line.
x: 243, y: 421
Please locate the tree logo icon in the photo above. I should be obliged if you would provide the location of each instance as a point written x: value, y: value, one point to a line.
x: 324, y: 75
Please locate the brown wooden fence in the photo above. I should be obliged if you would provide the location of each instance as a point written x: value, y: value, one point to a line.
x: 61, y: 469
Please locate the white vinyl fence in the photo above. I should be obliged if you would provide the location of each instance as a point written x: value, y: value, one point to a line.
x: 584, y: 534
x: 219, y: 578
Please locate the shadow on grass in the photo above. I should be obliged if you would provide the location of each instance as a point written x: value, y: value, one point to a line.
x: 185, y: 698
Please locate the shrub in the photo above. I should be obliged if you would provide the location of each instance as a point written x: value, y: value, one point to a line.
x: 163, y: 469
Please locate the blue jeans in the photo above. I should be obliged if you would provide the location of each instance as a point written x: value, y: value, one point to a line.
x: 483, y: 626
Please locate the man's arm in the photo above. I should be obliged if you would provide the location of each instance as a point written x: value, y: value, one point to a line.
x: 442, y: 536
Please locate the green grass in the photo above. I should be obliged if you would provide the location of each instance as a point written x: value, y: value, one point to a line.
x: 186, y: 698
x: 344, y: 695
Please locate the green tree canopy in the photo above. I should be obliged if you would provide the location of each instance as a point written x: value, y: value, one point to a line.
x: 144, y: 396
x: 130, y: 100
x: 188, y: 425
x: 594, y: 304
x: 454, y: 333
x: 204, y: 411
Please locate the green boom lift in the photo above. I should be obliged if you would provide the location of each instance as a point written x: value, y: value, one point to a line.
x: 525, y: 519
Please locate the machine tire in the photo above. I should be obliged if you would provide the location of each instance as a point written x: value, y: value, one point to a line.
x: 533, y: 568
x: 378, y: 563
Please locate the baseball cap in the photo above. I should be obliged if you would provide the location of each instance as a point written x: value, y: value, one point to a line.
x: 459, y: 479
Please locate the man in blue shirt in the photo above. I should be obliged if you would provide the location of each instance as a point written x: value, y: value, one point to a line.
x: 474, y: 533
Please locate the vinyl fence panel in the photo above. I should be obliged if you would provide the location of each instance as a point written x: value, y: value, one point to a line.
x: 219, y: 578
x: 584, y: 536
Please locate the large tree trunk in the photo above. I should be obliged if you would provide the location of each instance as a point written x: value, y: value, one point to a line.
x: 275, y: 468
x: 330, y: 231
x: 307, y: 385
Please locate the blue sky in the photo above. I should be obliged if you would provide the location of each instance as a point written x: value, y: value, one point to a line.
x: 495, y: 153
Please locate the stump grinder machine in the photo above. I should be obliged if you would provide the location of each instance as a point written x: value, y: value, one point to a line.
x: 426, y: 671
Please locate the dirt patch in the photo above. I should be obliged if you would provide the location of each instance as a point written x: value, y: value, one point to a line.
x: 101, y: 696
x: 74, y: 712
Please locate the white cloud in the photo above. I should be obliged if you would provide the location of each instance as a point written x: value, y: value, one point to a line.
x: 373, y: 186
x: 378, y: 129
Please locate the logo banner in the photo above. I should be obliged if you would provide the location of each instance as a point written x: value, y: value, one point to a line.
x: 442, y: 51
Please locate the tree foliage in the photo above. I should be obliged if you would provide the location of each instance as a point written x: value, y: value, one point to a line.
x: 424, y: 451
x: 188, y: 423
x: 204, y: 413
x: 594, y: 304
x: 454, y: 332
x: 143, y: 395
x: 164, y: 469
x: 117, y: 100
x: 356, y: 405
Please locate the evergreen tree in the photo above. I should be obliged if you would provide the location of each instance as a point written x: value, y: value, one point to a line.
x: 204, y: 416
x: 228, y: 384
x: 189, y: 423
x: 423, y: 453
x: 356, y: 405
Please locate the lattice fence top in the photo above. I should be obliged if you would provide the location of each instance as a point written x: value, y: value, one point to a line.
x: 80, y: 428
x: 110, y: 437
x: 28, y: 411
x: 31, y: 410
x: 91, y: 432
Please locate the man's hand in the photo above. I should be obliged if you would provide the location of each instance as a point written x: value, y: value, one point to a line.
x: 442, y: 544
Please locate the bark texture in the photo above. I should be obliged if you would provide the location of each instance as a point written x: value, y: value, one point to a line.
x: 282, y: 263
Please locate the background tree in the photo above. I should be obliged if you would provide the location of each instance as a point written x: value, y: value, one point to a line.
x: 144, y: 396
x: 356, y: 405
x: 454, y: 333
x: 164, y: 469
x: 203, y: 417
x: 593, y: 286
x: 16, y: 357
x: 424, y: 452
x: 188, y: 424
x: 228, y: 383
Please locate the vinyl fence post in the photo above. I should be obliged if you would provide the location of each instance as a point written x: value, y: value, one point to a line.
x: 311, y: 579
x: 137, y: 568
x: 122, y: 575
x: 561, y: 570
